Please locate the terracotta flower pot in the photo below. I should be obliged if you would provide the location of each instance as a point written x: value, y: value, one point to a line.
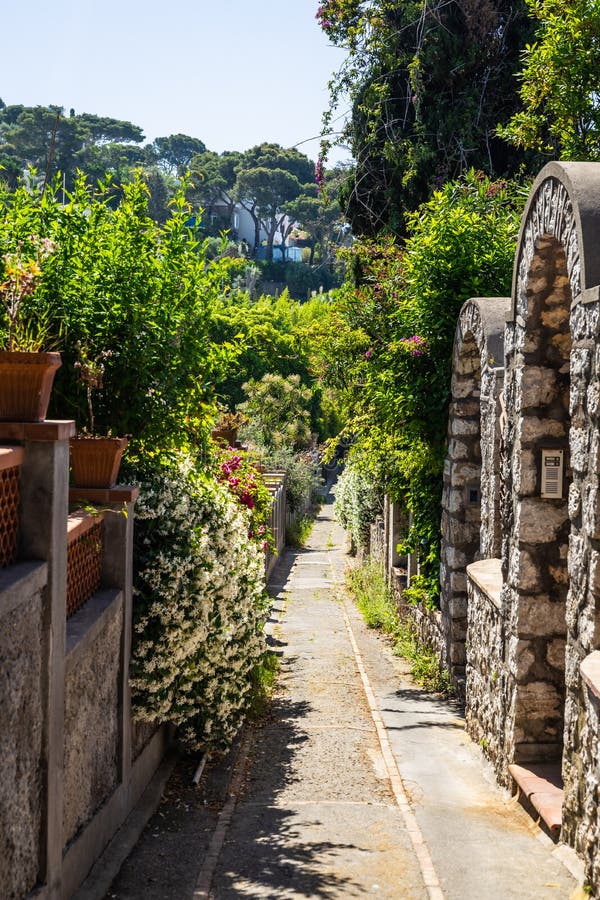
x: 225, y: 434
x: 25, y: 385
x: 95, y: 461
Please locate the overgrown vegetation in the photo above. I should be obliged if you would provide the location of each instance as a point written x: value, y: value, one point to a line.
x: 262, y: 685
x: 378, y: 605
x: 102, y: 281
x: 297, y: 534
x: 428, y: 85
x: 389, y: 353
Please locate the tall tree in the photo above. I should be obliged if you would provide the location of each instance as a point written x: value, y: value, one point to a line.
x: 320, y: 218
x: 268, y: 177
x: 37, y: 135
x: 174, y: 153
x: 428, y: 84
x: 559, y: 82
x: 211, y: 186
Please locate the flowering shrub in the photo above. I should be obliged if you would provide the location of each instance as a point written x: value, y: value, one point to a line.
x: 199, y: 603
x: 357, y: 503
x: 414, y: 346
x: 244, y: 482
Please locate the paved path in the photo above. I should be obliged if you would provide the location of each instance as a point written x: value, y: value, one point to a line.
x: 360, y: 784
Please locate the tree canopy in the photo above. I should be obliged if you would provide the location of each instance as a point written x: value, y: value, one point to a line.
x: 559, y: 82
x: 428, y: 85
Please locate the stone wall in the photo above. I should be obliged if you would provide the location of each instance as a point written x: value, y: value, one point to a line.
x: 21, y: 727
x: 487, y: 683
x: 586, y: 827
x: 471, y: 494
x: 530, y: 638
x: 549, y: 552
x: 91, y: 760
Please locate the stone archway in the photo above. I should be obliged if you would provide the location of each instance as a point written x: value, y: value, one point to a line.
x: 470, y: 501
x: 549, y: 557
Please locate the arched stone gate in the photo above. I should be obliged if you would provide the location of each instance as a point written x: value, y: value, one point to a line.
x: 550, y: 556
x: 470, y: 500
x: 530, y: 702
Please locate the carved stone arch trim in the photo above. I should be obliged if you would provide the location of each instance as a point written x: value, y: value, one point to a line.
x: 470, y: 507
x: 564, y: 202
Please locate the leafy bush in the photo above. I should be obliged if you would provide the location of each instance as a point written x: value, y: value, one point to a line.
x: 277, y: 411
x: 199, y: 603
x: 373, y: 597
x: 303, y: 478
x: 117, y: 281
x: 357, y: 503
x: 390, y: 351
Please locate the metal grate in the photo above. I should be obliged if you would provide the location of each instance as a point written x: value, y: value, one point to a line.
x: 84, y: 563
x: 9, y: 515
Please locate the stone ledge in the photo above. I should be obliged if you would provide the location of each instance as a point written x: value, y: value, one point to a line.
x: 10, y: 457
x: 20, y: 582
x: 590, y: 672
x: 107, y: 496
x: 487, y: 575
x: 589, y: 295
x: 50, y: 430
x: 86, y: 624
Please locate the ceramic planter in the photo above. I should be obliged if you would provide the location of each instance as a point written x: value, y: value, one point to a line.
x: 225, y: 434
x: 26, y: 384
x: 95, y: 461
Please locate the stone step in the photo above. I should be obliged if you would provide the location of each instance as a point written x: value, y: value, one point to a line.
x: 542, y: 785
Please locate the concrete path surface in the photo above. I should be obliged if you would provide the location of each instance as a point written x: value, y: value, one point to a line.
x: 358, y: 785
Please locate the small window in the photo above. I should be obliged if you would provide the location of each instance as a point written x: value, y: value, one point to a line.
x: 473, y: 493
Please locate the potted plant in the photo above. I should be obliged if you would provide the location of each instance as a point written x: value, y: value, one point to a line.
x: 227, y: 427
x: 95, y: 459
x: 26, y: 371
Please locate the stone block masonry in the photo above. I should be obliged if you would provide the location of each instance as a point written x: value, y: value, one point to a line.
x: 526, y: 379
x: 470, y: 502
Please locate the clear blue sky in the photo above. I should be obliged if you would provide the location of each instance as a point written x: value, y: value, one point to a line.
x: 231, y: 72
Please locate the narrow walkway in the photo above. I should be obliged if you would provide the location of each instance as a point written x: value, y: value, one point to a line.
x: 360, y: 784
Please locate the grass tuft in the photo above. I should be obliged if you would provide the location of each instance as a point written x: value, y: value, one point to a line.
x: 263, y: 680
x: 297, y: 535
x: 377, y: 603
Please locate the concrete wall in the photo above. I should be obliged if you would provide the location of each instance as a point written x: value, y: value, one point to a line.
x: 21, y: 726
x: 91, y: 760
x: 69, y: 776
